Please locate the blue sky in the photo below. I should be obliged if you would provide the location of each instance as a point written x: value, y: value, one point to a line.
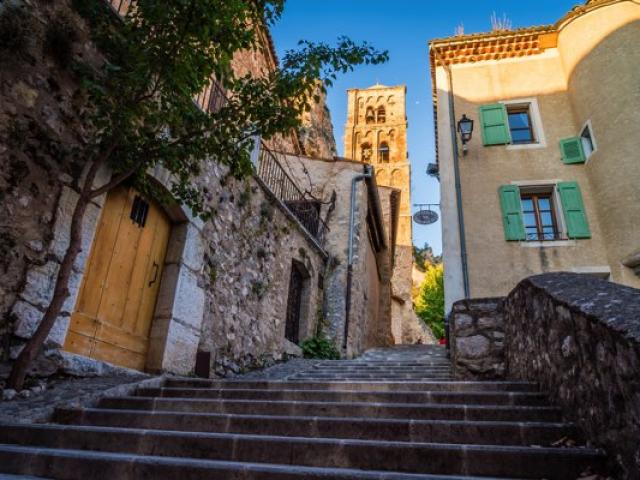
x: 403, y: 27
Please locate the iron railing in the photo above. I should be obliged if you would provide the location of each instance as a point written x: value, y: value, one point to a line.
x: 306, y: 210
x: 269, y: 168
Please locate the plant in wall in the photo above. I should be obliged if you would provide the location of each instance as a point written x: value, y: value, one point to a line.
x: 140, y: 112
x: 320, y: 347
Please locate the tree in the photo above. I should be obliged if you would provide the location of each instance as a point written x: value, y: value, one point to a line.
x: 141, y: 114
x: 423, y: 257
x: 429, y: 305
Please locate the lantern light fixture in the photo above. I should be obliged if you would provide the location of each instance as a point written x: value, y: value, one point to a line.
x: 465, y: 129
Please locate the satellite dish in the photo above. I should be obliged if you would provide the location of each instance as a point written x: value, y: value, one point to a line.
x: 425, y: 217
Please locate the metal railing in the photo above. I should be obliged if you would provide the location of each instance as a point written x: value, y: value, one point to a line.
x: 274, y: 176
x: 212, y: 98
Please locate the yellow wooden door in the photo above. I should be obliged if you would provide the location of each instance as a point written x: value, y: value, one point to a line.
x: 113, y: 314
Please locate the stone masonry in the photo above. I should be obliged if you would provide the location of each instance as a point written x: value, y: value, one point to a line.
x: 477, y: 338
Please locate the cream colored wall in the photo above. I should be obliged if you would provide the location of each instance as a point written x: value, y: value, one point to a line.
x: 495, y: 265
x: 601, y: 57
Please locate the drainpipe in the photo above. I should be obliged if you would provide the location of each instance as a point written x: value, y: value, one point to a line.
x: 352, y: 218
x: 456, y: 173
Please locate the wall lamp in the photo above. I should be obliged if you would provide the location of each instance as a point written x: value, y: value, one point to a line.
x: 465, y: 129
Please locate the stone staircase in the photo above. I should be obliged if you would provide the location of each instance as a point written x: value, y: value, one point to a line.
x: 392, y: 414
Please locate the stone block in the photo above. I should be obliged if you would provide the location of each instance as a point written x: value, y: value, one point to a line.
x: 38, y: 289
x: 476, y: 346
x: 181, y: 348
x: 186, y: 246
x: 61, y: 233
x: 463, y: 322
x: 189, y: 299
x: 29, y: 317
x: 291, y: 349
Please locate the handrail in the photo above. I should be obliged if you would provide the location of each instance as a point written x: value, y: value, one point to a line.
x: 306, y: 210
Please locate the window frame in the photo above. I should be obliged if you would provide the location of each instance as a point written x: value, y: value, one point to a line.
x: 535, y: 197
x: 384, y: 146
x: 518, y: 109
x: 542, y: 186
x: 594, y: 146
x: 540, y: 140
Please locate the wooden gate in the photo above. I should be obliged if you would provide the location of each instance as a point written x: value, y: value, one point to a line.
x: 294, y: 303
x: 115, y: 306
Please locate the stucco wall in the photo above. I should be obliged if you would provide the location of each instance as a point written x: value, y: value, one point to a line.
x: 569, y: 84
x: 593, y: 46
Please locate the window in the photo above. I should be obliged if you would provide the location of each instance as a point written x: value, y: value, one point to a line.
x: 370, y: 116
x: 543, y: 212
x: 383, y: 153
x: 588, y: 142
x: 365, y: 152
x: 520, y: 124
x: 382, y: 115
x: 539, y: 216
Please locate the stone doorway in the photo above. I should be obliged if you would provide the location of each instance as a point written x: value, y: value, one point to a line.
x: 298, y: 286
x: 113, y: 314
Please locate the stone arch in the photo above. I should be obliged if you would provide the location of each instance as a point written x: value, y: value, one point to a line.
x: 392, y: 134
x: 369, y: 100
x: 382, y: 177
x: 396, y: 178
x: 380, y: 99
x: 370, y: 116
x: 383, y: 152
x: 390, y: 100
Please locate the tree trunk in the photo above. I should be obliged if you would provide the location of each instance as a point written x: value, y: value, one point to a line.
x: 61, y: 291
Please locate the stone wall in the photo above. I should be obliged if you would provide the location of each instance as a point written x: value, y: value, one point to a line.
x: 316, y: 132
x: 578, y: 337
x: 225, y: 283
x: 476, y: 338
x: 323, y: 179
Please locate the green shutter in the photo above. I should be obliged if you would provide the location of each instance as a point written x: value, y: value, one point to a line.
x: 511, y: 212
x: 494, y: 123
x: 573, y: 209
x: 572, y: 150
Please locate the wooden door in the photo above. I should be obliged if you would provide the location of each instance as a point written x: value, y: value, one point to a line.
x: 115, y: 306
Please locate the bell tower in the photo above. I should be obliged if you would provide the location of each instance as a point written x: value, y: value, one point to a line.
x: 376, y: 133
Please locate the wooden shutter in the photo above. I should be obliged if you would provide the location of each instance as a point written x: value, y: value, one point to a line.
x: 511, y: 212
x: 494, y: 124
x: 573, y: 209
x: 572, y: 150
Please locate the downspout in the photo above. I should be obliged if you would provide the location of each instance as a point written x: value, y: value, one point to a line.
x: 456, y: 173
x: 352, y: 217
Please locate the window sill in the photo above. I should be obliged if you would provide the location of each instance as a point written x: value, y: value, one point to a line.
x: 550, y: 243
x: 527, y: 146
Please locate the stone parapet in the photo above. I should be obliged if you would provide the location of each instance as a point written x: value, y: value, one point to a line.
x: 578, y: 337
x: 477, y: 338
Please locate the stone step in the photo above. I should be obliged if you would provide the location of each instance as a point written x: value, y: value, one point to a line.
x: 378, y: 377
x: 417, y: 411
x: 453, y: 386
x: 525, y: 462
x: 429, y: 431
x: 81, y: 464
x: 381, y: 364
x: 476, y: 398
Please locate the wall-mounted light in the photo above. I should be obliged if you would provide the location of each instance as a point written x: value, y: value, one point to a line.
x: 465, y: 129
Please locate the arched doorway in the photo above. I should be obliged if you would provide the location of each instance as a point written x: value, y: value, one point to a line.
x: 116, y: 302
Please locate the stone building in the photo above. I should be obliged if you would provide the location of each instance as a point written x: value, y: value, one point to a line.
x: 154, y: 288
x: 376, y: 134
x: 549, y: 180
